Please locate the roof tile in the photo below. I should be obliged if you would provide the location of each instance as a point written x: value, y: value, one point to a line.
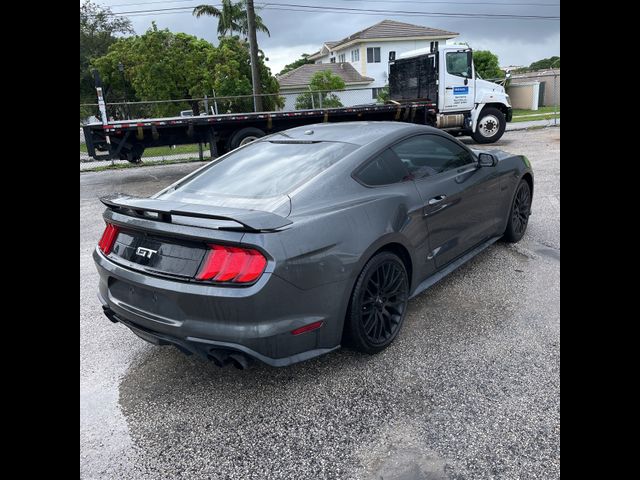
x: 302, y: 75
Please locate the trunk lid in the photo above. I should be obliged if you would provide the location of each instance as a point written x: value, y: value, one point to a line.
x: 158, y: 254
x: 172, y: 238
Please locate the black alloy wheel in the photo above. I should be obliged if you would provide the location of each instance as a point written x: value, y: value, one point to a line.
x: 379, y: 303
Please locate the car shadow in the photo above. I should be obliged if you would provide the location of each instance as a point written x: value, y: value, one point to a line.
x: 473, y: 144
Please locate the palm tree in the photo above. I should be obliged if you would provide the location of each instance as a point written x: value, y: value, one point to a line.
x: 231, y: 18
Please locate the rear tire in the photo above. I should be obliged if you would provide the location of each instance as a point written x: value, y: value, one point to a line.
x: 244, y: 136
x: 519, y: 213
x: 490, y: 126
x: 378, y: 304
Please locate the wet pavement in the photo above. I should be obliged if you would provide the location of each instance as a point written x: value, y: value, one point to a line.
x: 469, y: 389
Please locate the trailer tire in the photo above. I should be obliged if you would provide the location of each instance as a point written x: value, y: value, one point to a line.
x: 490, y: 126
x: 135, y: 154
x: 244, y: 136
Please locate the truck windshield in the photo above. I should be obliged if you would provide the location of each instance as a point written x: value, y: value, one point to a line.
x: 264, y: 169
x: 459, y: 64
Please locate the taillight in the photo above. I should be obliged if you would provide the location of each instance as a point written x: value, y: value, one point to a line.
x: 108, y: 238
x: 232, y: 264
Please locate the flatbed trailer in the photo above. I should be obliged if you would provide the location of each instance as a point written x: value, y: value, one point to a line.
x: 127, y: 139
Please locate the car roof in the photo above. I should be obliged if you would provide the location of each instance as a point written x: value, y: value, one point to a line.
x: 358, y: 133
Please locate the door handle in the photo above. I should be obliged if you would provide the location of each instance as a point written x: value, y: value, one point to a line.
x: 437, y: 199
x: 448, y: 88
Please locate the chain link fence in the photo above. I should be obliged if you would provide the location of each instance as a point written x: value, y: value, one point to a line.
x: 285, y: 100
x: 534, y: 96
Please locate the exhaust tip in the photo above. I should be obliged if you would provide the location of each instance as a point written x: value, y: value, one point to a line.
x: 222, y: 358
x: 240, y: 361
x: 219, y: 357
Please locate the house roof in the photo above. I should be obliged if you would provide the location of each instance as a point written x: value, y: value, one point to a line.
x: 391, y: 29
x: 302, y: 75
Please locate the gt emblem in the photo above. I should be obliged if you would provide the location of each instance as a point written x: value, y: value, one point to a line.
x: 145, y: 252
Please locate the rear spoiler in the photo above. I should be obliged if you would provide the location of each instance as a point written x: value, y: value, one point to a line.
x: 254, y: 220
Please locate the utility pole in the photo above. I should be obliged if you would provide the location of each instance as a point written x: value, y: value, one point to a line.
x: 253, y: 51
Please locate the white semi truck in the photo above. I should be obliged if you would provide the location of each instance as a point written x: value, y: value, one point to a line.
x: 436, y: 86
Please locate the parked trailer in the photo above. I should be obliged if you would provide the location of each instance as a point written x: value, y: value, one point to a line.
x: 127, y: 139
x: 435, y: 86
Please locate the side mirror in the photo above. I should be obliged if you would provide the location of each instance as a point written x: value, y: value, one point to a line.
x: 487, y: 160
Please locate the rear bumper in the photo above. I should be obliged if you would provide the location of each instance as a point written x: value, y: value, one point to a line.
x: 255, y: 320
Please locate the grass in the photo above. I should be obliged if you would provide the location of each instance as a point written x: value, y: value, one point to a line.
x: 161, y: 151
x: 121, y: 166
x: 520, y: 111
x: 543, y: 113
x: 550, y: 116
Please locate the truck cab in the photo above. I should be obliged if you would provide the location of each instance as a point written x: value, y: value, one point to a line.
x: 445, y: 75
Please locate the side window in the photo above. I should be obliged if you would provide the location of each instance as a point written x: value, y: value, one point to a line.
x: 426, y: 155
x: 459, y: 64
x: 385, y: 169
x: 373, y: 55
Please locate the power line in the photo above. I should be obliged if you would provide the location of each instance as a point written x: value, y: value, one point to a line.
x: 427, y: 2
x: 348, y: 9
x: 420, y: 14
x: 333, y: 9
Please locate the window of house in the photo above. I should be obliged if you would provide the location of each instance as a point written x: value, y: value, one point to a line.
x: 426, y: 155
x: 332, y: 59
x: 376, y: 91
x: 385, y: 169
x: 342, y: 58
x: 373, y: 55
x: 355, y: 55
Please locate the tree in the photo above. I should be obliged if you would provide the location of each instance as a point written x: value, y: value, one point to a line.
x: 162, y: 65
x: 98, y: 30
x: 383, y: 94
x: 298, y: 63
x: 232, y: 77
x: 551, y: 62
x: 487, y: 65
x: 322, y: 82
x: 231, y: 18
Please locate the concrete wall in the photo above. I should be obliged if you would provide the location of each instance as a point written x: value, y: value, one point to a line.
x: 524, y: 95
x: 551, y: 79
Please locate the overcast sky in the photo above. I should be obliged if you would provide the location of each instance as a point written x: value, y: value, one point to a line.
x: 515, y: 41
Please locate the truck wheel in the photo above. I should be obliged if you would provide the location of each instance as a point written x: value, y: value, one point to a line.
x: 490, y: 126
x: 244, y: 136
x: 135, y: 154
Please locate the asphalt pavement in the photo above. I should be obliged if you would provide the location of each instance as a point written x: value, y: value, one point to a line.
x: 469, y: 389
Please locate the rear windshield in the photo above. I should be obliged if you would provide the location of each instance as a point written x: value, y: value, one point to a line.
x: 266, y: 169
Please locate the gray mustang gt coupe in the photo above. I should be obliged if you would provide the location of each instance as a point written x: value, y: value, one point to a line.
x: 305, y: 240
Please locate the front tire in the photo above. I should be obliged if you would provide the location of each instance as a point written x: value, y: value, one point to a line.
x: 519, y: 213
x: 378, y: 304
x: 490, y: 126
